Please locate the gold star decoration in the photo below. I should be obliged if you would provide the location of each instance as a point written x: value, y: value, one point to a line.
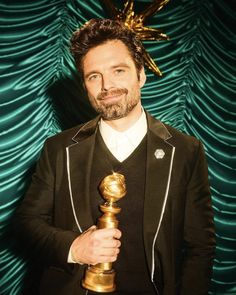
x: 136, y: 23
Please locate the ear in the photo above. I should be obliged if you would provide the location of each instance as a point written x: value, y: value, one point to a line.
x: 142, y: 77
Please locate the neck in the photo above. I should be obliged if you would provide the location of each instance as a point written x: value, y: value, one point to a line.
x: 125, y: 123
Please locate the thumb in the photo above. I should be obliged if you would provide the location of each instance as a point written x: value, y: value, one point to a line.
x: 91, y: 228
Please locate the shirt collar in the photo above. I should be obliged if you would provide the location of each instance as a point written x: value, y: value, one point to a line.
x: 134, y: 134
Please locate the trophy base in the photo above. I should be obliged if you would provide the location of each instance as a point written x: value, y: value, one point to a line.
x: 98, y: 280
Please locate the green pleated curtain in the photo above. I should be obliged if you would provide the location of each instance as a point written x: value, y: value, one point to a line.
x: 40, y: 95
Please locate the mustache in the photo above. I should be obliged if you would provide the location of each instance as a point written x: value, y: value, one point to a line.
x: 113, y: 92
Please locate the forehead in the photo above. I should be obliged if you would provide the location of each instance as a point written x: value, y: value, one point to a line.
x: 107, y: 55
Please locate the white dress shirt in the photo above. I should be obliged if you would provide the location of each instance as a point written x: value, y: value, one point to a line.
x: 122, y: 144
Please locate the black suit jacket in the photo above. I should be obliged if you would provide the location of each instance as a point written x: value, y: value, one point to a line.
x: 178, y: 221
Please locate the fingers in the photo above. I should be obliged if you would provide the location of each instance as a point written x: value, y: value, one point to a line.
x: 109, y: 233
x: 97, y: 246
x: 111, y: 256
x: 112, y: 243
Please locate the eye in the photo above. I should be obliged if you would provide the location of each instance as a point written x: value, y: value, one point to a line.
x: 119, y: 71
x: 94, y: 77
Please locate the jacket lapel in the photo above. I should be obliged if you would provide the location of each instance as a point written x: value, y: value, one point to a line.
x: 79, y: 163
x: 160, y: 156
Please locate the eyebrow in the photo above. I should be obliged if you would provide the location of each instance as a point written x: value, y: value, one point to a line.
x: 120, y: 65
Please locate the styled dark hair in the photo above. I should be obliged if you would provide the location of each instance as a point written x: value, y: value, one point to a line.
x: 97, y: 32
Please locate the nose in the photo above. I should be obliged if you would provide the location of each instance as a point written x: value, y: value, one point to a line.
x: 107, y: 82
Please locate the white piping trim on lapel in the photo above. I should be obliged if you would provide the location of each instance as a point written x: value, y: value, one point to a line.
x: 162, y: 212
x: 70, y: 190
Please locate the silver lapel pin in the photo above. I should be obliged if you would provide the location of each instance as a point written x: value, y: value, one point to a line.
x: 159, y: 153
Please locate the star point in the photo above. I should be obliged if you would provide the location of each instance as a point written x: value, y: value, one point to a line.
x: 135, y: 22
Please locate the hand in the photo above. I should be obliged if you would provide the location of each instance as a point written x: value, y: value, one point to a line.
x: 96, y: 246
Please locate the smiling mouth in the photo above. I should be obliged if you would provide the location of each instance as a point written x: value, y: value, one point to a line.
x: 110, y: 96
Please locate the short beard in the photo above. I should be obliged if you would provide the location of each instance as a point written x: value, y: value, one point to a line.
x: 117, y: 110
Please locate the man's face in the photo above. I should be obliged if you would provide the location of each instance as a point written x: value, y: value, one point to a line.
x: 111, y: 80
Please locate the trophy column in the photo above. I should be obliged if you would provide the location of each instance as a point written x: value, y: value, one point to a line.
x: 101, y: 277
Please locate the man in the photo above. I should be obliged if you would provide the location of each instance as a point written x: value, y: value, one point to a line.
x: 165, y: 242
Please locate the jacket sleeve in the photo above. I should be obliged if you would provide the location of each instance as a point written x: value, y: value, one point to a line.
x: 34, y: 220
x: 199, y: 237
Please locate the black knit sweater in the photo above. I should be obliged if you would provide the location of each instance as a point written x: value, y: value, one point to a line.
x: 132, y: 275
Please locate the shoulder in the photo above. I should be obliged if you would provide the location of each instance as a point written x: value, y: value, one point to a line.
x: 186, y: 146
x: 73, y: 135
x: 65, y: 137
x: 170, y: 134
x: 180, y: 138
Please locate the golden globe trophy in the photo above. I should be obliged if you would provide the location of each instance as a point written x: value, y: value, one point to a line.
x: 101, y: 277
